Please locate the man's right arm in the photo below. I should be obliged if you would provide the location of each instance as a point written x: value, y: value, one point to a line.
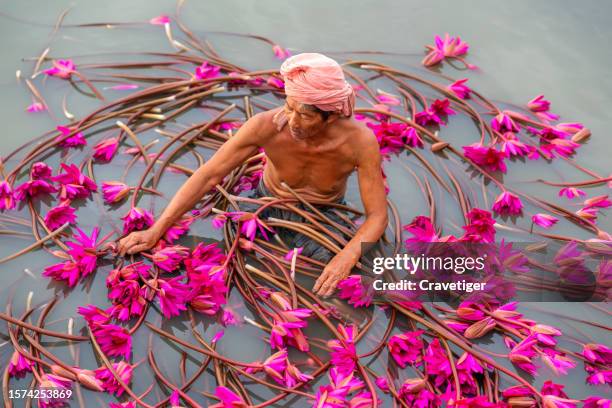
x: 231, y: 154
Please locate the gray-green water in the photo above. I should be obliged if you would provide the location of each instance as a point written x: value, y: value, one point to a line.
x: 558, y: 48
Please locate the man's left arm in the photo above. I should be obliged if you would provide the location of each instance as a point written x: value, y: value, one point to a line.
x: 372, y: 191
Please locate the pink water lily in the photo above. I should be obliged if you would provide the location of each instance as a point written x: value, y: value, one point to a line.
x: 508, y: 203
x: 114, y: 191
x: 571, y: 192
x: 355, y: 291
x: 250, y: 224
x: 481, y: 224
x: 544, y: 220
x: 502, y: 123
x: 73, y: 183
x: 114, y: 340
x: 449, y: 47
x: 106, y: 149
x: 228, y: 399
x: 415, y: 394
x: 538, y: 104
x: 160, y: 20
x: 61, y: 69
x: 137, y: 219
x: 406, y: 348
x: 68, y: 271
x: 93, y: 315
x: 343, y: 352
x: 388, y: 99
x: 108, y: 381
x: 280, y: 52
x: 19, y: 366
x: 128, y: 299
x: 40, y: 170
x: 173, y: 296
x: 59, y: 215
x: 178, y: 229
x: 436, y: 363
x: 170, y: 257
x: 512, y: 146
x: 36, y: 107
x: 7, y: 197
x: 75, y: 140
x: 460, y: 89
x: 30, y: 189
x: 523, y: 354
x: 486, y: 157
x: 207, y: 70
x: 275, y: 82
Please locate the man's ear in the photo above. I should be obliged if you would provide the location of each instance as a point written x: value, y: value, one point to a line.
x: 332, y: 118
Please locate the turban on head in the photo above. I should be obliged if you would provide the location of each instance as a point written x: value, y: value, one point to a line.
x: 315, y: 79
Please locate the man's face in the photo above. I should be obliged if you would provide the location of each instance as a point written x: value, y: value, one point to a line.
x: 303, y: 121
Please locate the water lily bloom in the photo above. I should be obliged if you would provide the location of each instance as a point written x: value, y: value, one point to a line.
x: 59, y: 215
x: 564, y: 148
x: 134, y: 271
x: 40, y: 170
x: 437, y: 365
x: 422, y: 229
x: 460, y: 89
x: 203, y: 259
x: 114, y: 191
x: 32, y: 188
x: 481, y: 223
x: 486, y: 157
x: 137, y: 219
x: 451, y: 47
x: 83, y: 251
x: 597, y: 353
x: 169, y: 258
x: 503, y: 123
x: 544, y: 220
x: 557, y: 361
x: 508, y: 203
x: 388, y: 99
x: 343, y: 352
x: 522, y: 354
x: 406, y: 348
x: 206, y: 71
x: 412, y: 137
x: 36, y: 107
x: 571, y: 192
x: 427, y: 117
x: 512, y: 146
x: 173, y: 296
x: 280, y: 52
x: 7, y: 197
x: 160, y: 20
x: 249, y: 224
x: 228, y: 399
x: 19, y: 365
x: 415, y: 394
x: 596, y: 401
x: 599, y: 202
x: 382, y: 384
x: 61, y: 69
x: 128, y: 404
x: 128, y: 299
x: 441, y: 107
x: 358, y: 294
x: 106, y: 149
x: 287, y: 329
x: 114, y: 340
x: 67, y: 271
x: 275, y: 365
x: 93, y: 315
x: 72, y: 141
x: 109, y: 382
x: 49, y: 382
x: 275, y: 82
x: 73, y: 183
x: 538, y: 104
x: 178, y: 229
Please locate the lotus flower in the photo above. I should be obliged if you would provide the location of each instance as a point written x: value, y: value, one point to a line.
x: 173, y: 296
x: 7, y: 197
x: 460, y: 89
x: 114, y: 191
x: 59, y: 215
x: 206, y: 71
x: 40, y: 170
x: 228, y: 399
x: 571, y: 192
x: 169, y: 258
x: 406, y: 348
x: 109, y: 382
x: 106, y: 149
x: 30, y: 189
x: 73, y: 183
x: 114, y: 341
x: 358, y: 294
x: 61, y: 69
x: 137, y: 219
x: 486, y: 157
x: 508, y: 203
x: 72, y: 141
x: 449, y: 47
x: 544, y: 220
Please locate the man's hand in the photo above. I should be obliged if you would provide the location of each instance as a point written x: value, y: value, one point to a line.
x: 138, y: 241
x: 337, y: 269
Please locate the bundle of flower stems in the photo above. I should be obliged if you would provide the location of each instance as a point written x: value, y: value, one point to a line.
x: 403, y: 353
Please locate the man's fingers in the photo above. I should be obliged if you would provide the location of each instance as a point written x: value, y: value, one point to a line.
x: 329, y: 288
x: 320, y: 281
x: 127, y: 244
x: 137, y: 248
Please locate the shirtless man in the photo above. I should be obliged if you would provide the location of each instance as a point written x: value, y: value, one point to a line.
x: 312, y: 147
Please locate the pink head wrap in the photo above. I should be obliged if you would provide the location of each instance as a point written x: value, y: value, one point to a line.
x: 315, y: 79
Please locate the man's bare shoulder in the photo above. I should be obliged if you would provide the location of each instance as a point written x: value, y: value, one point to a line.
x: 364, y: 140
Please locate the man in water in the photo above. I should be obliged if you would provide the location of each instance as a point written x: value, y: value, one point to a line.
x: 312, y: 144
